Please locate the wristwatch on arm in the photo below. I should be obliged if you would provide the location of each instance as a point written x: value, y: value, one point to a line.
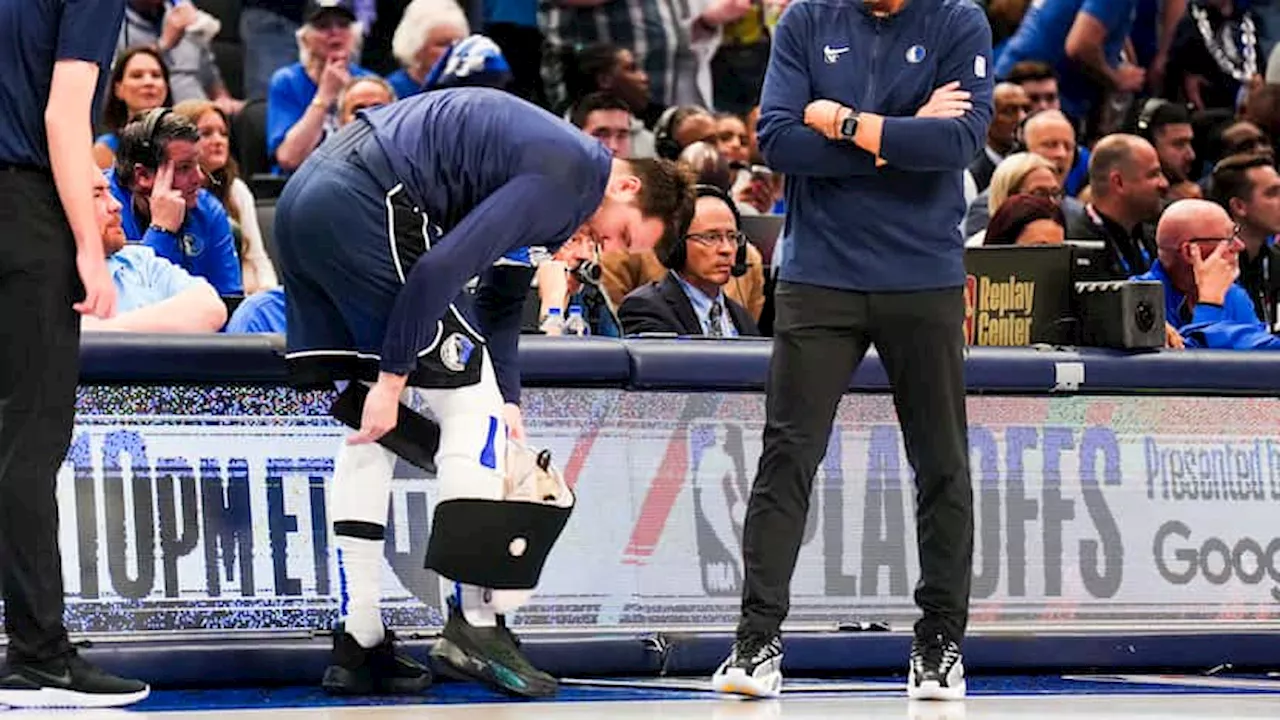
x: 849, y: 126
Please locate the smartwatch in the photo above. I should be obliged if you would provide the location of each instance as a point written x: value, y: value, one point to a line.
x: 849, y: 126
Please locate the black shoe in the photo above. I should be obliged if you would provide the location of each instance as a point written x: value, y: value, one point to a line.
x: 753, y: 668
x: 490, y: 655
x: 66, y: 682
x: 379, y: 670
x: 936, y: 669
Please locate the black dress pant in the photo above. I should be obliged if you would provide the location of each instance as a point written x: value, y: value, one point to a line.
x: 39, y: 369
x: 522, y: 47
x: 820, y: 337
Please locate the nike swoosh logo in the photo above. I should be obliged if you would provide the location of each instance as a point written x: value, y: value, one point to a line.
x: 45, y: 678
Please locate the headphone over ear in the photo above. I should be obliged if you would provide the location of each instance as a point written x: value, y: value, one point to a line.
x: 677, y: 254
x: 150, y: 123
x: 1149, y: 110
x: 664, y: 141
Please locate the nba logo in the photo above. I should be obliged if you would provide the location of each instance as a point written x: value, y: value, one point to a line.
x: 970, y: 306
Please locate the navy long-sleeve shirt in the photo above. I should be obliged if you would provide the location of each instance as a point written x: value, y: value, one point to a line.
x: 850, y: 225
x: 496, y: 173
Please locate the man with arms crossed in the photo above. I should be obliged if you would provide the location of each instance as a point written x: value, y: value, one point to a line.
x: 873, y: 110
x: 52, y: 270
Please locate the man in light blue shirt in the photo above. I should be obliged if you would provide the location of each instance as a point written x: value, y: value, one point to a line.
x: 153, y: 294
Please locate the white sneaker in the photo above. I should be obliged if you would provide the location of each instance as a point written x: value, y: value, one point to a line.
x: 753, y: 669
x: 936, y: 670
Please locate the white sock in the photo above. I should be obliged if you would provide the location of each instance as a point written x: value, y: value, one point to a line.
x: 361, y: 492
x: 360, y: 588
x: 476, y: 605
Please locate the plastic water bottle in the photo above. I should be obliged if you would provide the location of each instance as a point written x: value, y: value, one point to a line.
x: 576, y: 324
x: 554, y: 322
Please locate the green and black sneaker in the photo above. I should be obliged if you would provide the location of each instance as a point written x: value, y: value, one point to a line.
x: 490, y: 655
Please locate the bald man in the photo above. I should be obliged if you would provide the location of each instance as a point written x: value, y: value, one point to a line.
x: 1048, y: 134
x: 1210, y: 328
x: 1192, y: 230
x: 1011, y: 107
x: 1128, y: 192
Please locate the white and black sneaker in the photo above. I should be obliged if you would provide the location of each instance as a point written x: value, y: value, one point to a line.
x: 754, y: 668
x: 936, y: 669
x: 66, y: 682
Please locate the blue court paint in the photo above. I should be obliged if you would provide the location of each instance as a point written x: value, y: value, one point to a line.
x: 489, y: 455
x: 458, y: 693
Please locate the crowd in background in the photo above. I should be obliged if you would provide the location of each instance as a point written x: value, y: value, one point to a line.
x: 1107, y: 113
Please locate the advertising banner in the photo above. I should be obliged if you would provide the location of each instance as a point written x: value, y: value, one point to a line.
x: 208, y: 509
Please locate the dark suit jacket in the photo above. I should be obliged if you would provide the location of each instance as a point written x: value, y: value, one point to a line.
x: 662, y: 307
x: 982, y: 169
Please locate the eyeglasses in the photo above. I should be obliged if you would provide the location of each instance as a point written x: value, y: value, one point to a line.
x: 1054, y: 194
x: 1235, y: 235
x: 712, y: 239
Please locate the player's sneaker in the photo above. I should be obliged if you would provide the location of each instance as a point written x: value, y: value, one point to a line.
x: 491, y: 655
x: 66, y: 682
x: 936, y: 669
x: 753, y: 668
x: 380, y: 670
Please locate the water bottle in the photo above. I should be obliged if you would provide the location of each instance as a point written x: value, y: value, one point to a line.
x: 576, y: 324
x: 554, y: 322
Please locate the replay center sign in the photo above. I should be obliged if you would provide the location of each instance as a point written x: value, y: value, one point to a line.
x: 208, y: 509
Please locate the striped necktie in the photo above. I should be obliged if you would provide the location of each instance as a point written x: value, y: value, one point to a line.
x: 715, y: 329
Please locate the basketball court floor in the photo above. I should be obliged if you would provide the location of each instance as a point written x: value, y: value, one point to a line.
x: 1077, y: 697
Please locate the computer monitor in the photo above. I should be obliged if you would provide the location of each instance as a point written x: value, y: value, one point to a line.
x: 1018, y: 296
x: 1090, y: 261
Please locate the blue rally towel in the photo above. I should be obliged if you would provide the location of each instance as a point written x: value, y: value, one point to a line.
x: 472, y: 62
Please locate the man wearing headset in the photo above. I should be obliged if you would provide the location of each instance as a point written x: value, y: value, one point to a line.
x: 158, y: 181
x: 690, y: 298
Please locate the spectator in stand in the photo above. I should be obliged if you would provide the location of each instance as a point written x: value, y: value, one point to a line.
x: 1210, y: 327
x: 1027, y: 220
x: 183, y: 35
x: 606, y: 68
x: 1244, y: 138
x: 1262, y: 108
x: 732, y: 140
x: 362, y: 93
x: 427, y: 29
x: 1019, y: 174
x: 1005, y: 17
x: 1155, y: 23
x: 1167, y: 126
x: 1215, y: 55
x: 260, y: 313
x: 572, y: 277
x: 1048, y: 135
x: 1248, y: 188
x: 1012, y: 107
x: 607, y: 118
x: 690, y: 298
x: 153, y: 295
x: 1082, y: 40
x: 673, y: 41
x: 1040, y: 83
x: 708, y: 165
x: 224, y: 183
x: 1128, y: 195
x: 1195, y: 228
x: 157, y: 178
x: 139, y: 82
x: 302, y: 102
x: 681, y: 126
